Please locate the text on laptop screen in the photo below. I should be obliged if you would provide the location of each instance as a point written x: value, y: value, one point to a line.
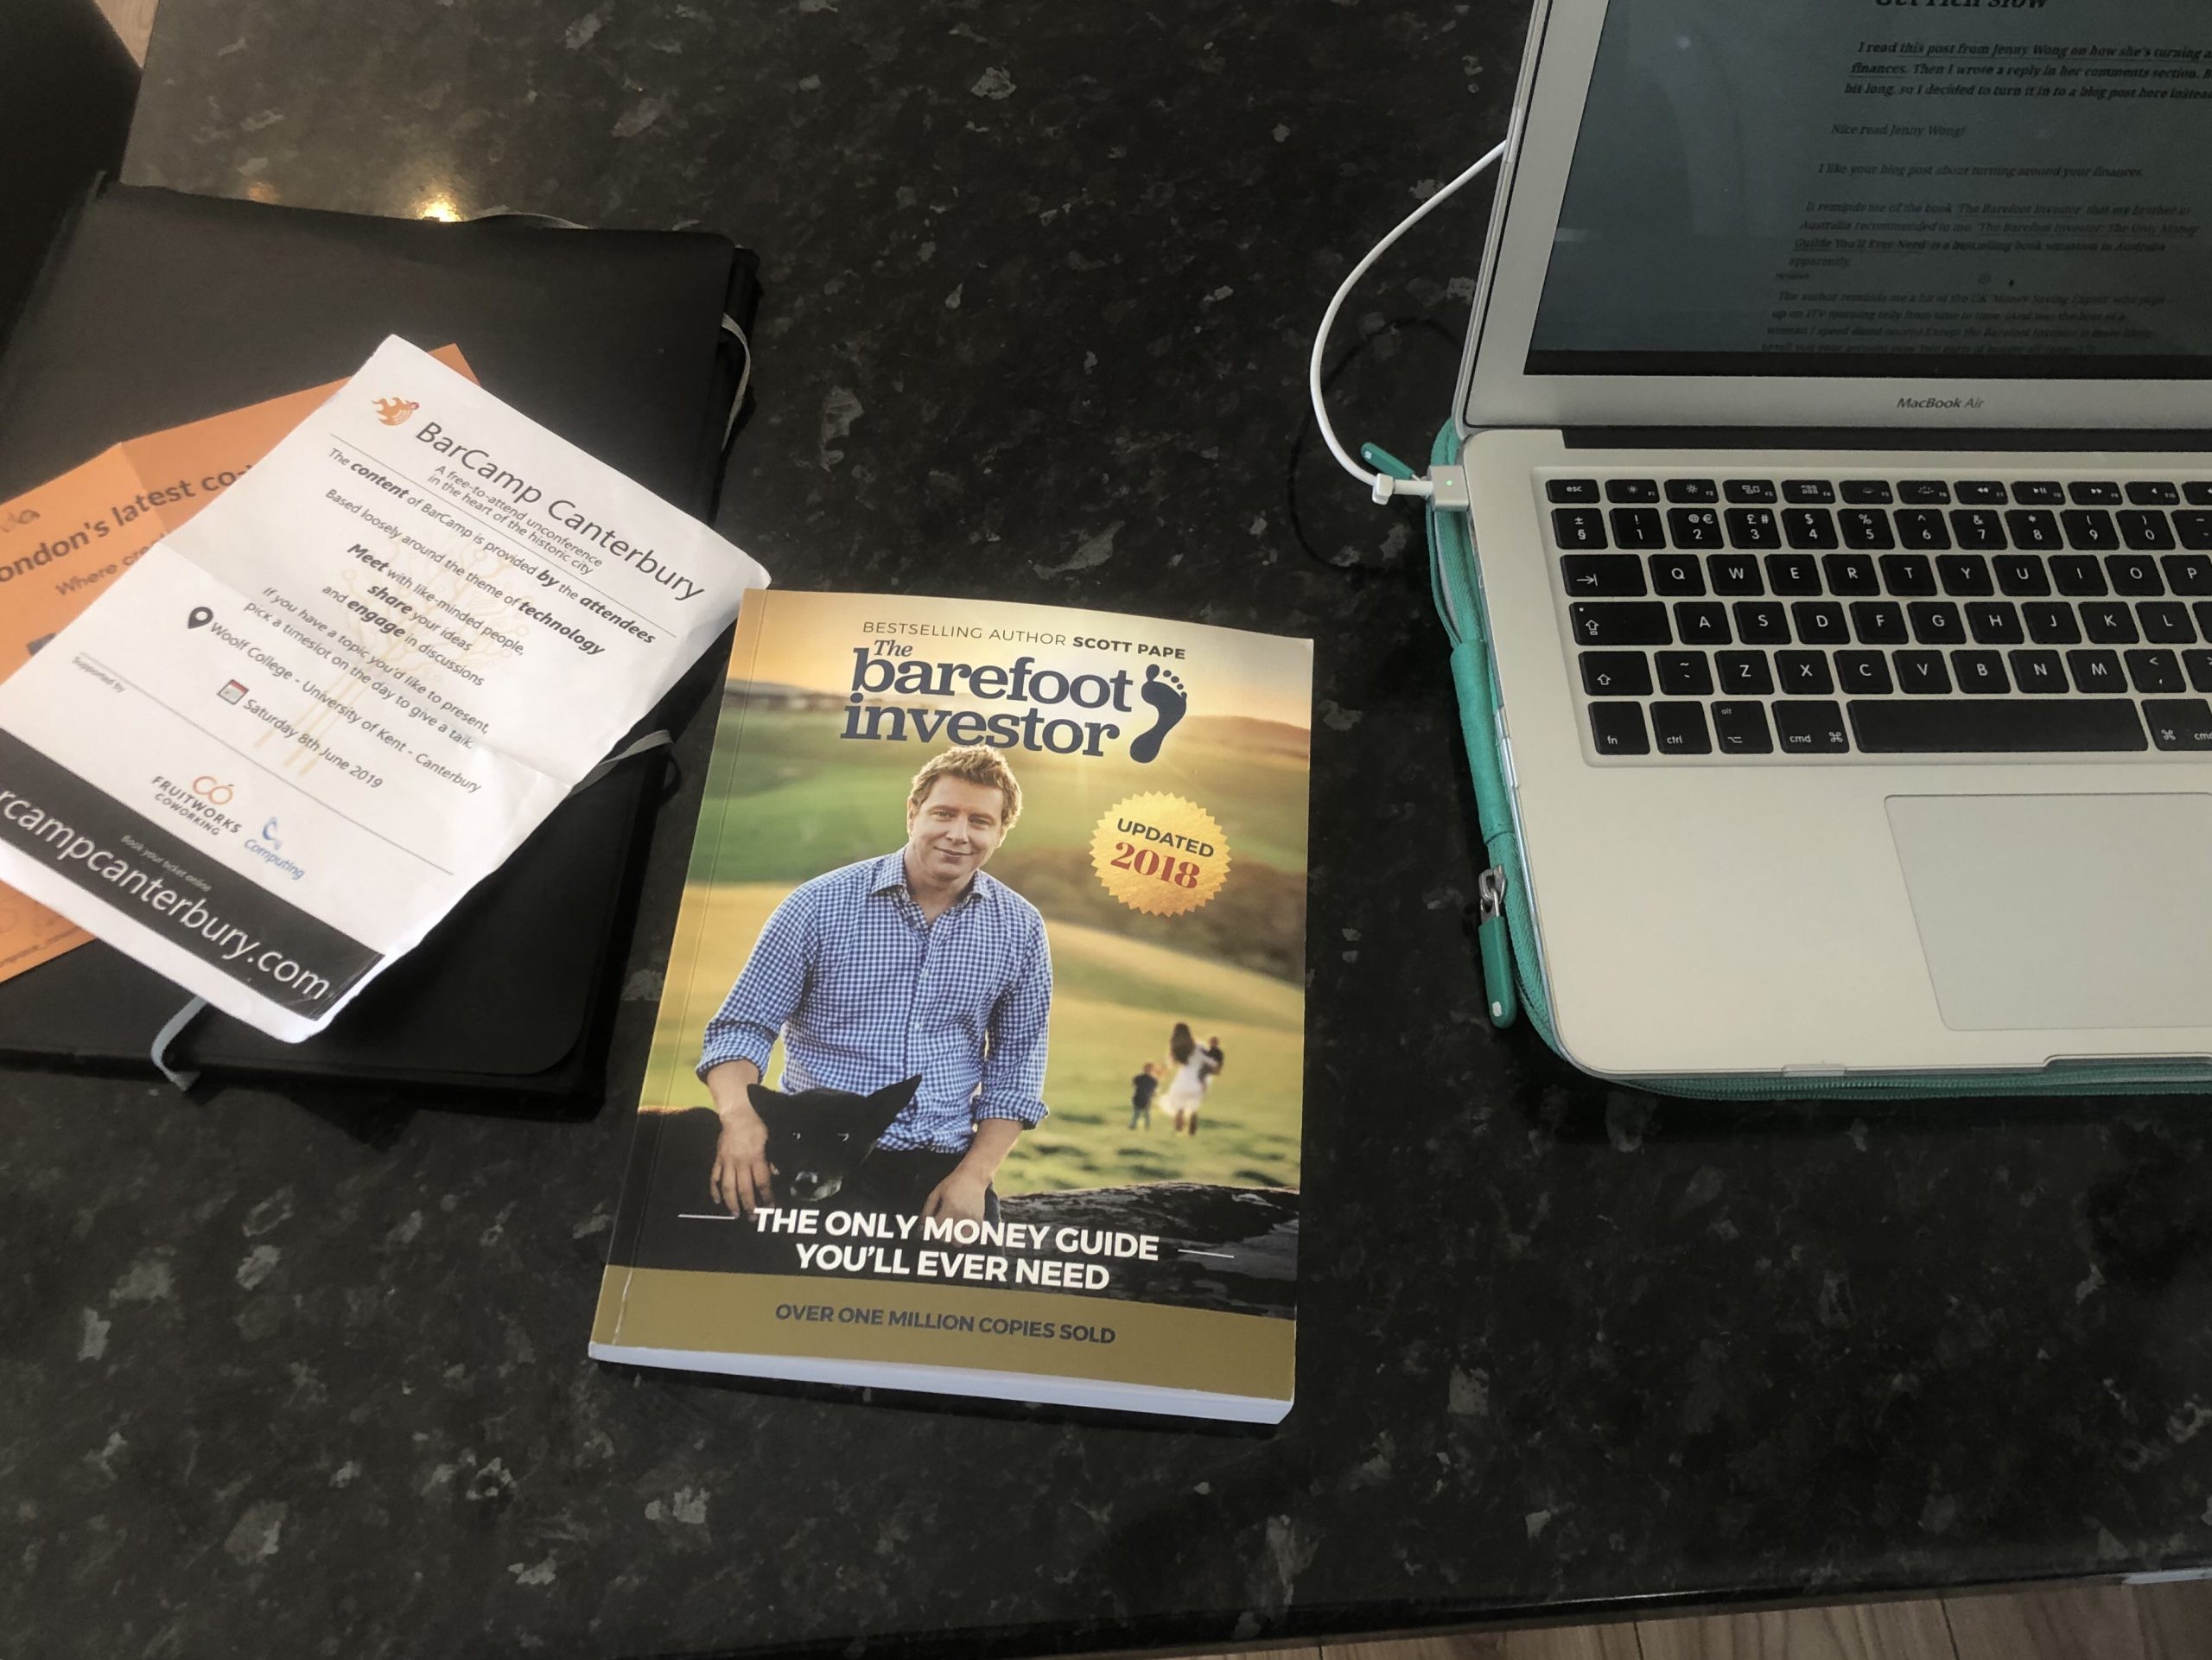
x: 2006, y: 188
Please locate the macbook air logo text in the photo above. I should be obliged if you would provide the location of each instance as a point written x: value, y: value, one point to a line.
x: 1953, y: 402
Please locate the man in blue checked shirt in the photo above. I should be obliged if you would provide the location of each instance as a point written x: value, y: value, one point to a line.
x: 912, y: 963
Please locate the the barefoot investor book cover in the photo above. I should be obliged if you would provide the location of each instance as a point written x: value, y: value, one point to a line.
x: 980, y: 1056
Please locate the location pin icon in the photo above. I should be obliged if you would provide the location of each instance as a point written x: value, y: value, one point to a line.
x: 199, y: 617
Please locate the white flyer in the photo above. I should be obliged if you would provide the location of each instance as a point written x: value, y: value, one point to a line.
x: 286, y: 741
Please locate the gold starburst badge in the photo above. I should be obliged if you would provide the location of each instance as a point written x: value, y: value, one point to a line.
x: 1161, y: 854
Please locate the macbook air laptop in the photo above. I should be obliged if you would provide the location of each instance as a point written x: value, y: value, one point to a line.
x: 1834, y: 418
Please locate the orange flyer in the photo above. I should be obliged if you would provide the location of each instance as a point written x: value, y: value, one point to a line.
x: 63, y: 543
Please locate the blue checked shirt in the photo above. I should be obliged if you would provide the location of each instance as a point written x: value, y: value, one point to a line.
x: 866, y: 993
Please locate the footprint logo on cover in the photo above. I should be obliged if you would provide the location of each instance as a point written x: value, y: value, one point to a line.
x: 1170, y: 702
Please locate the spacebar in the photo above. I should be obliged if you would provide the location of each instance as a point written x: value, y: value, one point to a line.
x: 1961, y: 725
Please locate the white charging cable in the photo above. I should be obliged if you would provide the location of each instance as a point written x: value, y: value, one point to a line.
x: 1382, y: 485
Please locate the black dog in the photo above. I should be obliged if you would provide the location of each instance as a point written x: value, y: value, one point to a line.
x: 819, y: 1140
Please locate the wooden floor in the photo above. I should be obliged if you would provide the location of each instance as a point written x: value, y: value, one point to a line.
x: 2164, y: 1622
x: 2105, y: 1622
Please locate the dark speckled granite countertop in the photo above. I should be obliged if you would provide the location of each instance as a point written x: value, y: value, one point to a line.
x: 308, y: 1377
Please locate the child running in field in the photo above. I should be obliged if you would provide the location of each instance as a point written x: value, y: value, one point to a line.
x: 1140, y: 1093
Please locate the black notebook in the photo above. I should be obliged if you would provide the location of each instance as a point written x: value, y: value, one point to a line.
x: 157, y: 309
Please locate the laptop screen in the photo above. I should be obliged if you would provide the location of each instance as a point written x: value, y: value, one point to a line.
x: 2011, y: 190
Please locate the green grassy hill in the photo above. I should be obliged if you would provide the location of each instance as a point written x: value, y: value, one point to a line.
x: 804, y: 800
x: 811, y: 800
x: 1115, y: 999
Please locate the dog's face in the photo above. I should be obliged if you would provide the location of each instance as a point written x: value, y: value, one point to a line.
x: 817, y: 1138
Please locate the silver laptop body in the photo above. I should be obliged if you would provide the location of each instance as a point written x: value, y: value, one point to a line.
x: 1856, y: 690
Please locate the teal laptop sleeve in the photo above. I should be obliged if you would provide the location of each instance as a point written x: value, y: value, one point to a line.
x: 1513, y: 977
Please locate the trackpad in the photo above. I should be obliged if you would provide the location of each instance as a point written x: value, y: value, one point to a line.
x: 2062, y: 911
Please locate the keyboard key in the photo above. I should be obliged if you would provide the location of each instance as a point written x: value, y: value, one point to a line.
x: 2008, y: 726
x: 2146, y: 492
x: 2018, y: 575
x: 1803, y: 674
x: 2198, y: 666
x: 1863, y: 674
x: 1994, y: 622
x: 2165, y: 622
x: 1793, y: 573
x: 1814, y: 527
x: 2180, y: 724
x: 1744, y: 674
x: 1820, y: 622
x: 1936, y: 622
x: 1921, y: 672
x: 1680, y: 728
x: 2077, y: 573
x: 2034, y: 529
x: 1923, y: 492
x: 1616, y: 674
x: 2090, y: 528
x: 1980, y: 671
x: 2038, y: 671
x: 2108, y: 622
x: 1851, y: 573
x: 1879, y: 622
x: 2096, y: 494
x: 1981, y: 528
x: 1866, y: 492
x: 1637, y: 527
x: 1617, y: 729
x: 2186, y: 574
x: 1678, y: 573
x: 1762, y: 622
x: 2146, y: 533
x: 2133, y: 574
x: 2195, y: 530
x: 1704, y: 623
x: 1601, y: 576
x: 1908, y: 575
x: 2197, y: 492
x: 1748, y: 489
x: 1865, y: 527
x: 2152, y: 671
x: 1734, y: 573
x: 2096, y: 670
x: 2039, y: 493
x: 1965, y: 574
x: 1577, y: 527
x: 2052, y: 625
x: 1571, y: 490
x: 1741, y: 729
x: 1693, y: 527
x: 1691, y: 490
x: 1685, y: 674
x: 1811, y: 729
x: 1632, y: 490
x: 1921, y: 528
x: 1625, y: 622
x: 1980, y: 493
x: 1753, y: 527
x: 1810, y: 492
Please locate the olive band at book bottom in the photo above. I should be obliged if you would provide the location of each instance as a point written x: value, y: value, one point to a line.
x: 868, y: 1321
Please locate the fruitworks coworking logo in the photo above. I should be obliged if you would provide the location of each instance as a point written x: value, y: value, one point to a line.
x: 200, y: 804
x: 394, y: 411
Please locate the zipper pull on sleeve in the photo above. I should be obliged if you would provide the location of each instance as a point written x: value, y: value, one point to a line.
x: 1497, y: 948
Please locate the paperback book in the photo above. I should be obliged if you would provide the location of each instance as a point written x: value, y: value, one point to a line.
x: 979, y: 1061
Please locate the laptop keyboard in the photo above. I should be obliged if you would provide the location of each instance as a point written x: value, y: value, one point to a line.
x: 1791, y: 616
